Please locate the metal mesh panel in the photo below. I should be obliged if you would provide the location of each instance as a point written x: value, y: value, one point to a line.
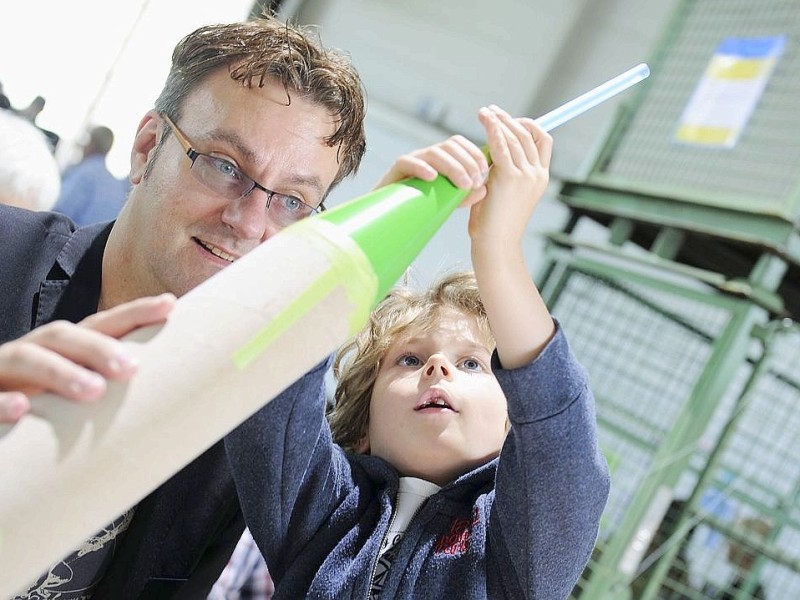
x: 643, y: 363
x: 645, y: 347
x: 762, y: 172
x: 742, y: 536
x: 758, y: 477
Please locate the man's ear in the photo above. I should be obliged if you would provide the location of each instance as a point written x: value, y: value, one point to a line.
x: 144, y: 144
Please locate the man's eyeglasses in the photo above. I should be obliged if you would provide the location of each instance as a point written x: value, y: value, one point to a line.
x: 227, y: 180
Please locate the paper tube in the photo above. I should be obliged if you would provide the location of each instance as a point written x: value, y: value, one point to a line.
x: 230, y: 345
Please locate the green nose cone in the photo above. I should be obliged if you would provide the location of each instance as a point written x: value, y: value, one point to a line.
x: 393, y: 224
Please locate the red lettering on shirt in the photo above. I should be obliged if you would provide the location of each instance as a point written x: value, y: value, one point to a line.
x: 456, y: 541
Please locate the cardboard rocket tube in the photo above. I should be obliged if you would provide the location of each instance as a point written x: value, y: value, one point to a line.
x: 230, y: 346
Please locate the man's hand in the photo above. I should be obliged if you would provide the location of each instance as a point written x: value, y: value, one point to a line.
x: 74, y: 360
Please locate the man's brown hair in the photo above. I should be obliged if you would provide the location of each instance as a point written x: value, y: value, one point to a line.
x: 265, y: 49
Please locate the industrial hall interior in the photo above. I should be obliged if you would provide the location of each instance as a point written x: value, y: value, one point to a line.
x: 667, y: 244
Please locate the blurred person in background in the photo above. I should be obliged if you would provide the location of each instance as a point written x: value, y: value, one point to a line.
x: 33, y: 110
x: 29, y: 176
x: 31, y: 113
x: 5, y: 103
x: 89, y: 191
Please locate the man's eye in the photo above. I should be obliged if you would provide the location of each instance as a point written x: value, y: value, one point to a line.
x: 290, y: 203
x: 226, y: 168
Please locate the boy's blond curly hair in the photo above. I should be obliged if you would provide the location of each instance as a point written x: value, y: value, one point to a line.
x: 403, y: 311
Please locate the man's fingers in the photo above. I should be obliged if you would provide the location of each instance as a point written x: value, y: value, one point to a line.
x: 125, y: 318
x: 13, y: 405
x: 74, y: 361
x: 73, y: 343
x: 31, y: 368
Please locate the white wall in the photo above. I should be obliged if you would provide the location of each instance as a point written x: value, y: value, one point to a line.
x: 443, y: 60
x: 610, y: 37
x: 429, y: 66
x: 97, y: 61
x: 449, y: 57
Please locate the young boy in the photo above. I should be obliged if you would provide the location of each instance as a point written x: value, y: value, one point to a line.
x: 461, y: 458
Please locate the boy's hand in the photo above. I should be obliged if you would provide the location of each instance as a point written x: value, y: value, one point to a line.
x: 502, y: 204
x: 458, y: 159
x: 72, y: 360
x: 521, y: 153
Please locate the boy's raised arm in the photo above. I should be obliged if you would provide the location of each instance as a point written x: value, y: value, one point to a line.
x: 501, y: 203
x: 519, y: 319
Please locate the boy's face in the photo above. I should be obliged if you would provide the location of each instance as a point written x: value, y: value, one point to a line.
x: 437, y: 410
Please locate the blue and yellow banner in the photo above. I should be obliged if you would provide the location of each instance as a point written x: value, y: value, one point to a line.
x: 727, y: 94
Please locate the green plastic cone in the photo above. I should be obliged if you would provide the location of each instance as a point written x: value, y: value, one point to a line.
x: 393, y: 224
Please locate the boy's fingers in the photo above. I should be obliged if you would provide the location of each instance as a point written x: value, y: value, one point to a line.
x: 475, y: 196
x: 471, y: 158
x: 517, y: 138
x: 542, y: 139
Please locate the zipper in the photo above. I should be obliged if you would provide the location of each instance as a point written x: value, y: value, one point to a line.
x: 377, y: 556
x: 388, y: 529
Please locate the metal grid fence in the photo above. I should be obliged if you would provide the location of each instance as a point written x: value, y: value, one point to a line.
x: 761, y: 173
x: 644, y: 350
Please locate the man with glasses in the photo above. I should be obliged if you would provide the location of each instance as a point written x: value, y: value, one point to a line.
x: 255, y: 124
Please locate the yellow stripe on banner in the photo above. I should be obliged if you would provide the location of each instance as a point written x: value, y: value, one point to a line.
x: 738, y: 68
x: 349, y: 268
x: 703, y: 134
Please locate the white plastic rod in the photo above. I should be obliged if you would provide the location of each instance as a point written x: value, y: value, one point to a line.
x: 592, y: 98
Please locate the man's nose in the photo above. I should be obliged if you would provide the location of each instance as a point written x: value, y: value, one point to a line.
x: 249, y: 216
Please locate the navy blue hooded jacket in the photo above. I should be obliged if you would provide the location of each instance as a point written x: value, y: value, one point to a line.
x: 520, y: 526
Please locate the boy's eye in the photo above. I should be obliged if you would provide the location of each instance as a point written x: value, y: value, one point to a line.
x: 470, y: 364
x: 409, y: 360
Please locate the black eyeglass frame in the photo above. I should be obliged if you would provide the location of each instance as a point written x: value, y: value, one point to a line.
x: 193, y: 154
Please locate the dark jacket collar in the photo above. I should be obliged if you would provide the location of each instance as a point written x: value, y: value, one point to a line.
x: 72, y: 288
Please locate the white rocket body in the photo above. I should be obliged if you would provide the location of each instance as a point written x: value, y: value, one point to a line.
x: 231, y: 345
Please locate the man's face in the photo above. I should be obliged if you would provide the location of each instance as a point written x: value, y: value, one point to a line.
x: 178, y: 232
x: 437, y: 410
